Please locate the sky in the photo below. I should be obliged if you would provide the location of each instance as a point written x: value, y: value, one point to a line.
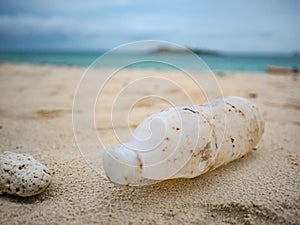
x: 231, y: 26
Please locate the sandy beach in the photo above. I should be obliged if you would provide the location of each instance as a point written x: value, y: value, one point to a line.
x: 36, y: 118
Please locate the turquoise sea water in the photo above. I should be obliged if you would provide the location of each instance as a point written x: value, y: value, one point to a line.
x: 224, y: 62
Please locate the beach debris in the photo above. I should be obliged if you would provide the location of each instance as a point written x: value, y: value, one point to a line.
x: 22, y: 175
x: 185, y: 142
x: 252, y: 95
x: 282, y: 70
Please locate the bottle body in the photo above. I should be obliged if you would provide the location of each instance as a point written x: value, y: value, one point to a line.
x: 186, y: 141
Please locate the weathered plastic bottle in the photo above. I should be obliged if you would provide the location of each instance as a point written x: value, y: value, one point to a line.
x: 185, y: 142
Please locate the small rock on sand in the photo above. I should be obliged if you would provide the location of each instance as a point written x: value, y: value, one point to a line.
x: 22, y: 175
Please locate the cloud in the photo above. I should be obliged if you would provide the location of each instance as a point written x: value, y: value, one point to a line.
x: 105, y: 24
x: 27, y: 25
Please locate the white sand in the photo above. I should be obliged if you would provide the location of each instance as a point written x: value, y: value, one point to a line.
x: 261, y: 188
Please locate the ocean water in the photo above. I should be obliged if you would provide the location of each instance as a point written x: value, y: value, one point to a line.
x: 224, y: 62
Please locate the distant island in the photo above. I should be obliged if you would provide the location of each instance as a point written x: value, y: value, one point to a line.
x: 163, y: 50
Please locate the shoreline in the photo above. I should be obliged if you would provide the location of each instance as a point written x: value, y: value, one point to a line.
x: 36, y: 118
x: 226, y: 63
x: 142, y: 69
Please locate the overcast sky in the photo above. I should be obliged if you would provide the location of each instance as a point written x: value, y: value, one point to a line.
x: 232, y: 25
